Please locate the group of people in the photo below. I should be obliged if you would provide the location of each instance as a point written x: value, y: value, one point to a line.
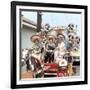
x: 51, y: 48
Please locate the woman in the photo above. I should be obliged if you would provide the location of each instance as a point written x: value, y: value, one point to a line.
x: 61, y: 43
x: 60, y: 50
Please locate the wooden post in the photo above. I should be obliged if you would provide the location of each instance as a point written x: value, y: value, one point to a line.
x: 39, y: 21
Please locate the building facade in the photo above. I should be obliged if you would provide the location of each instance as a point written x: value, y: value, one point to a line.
x: 28, y: 28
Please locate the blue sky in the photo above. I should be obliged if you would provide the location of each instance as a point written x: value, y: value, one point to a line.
x: 56, y: 19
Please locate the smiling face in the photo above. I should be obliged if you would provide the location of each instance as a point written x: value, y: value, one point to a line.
x: 50, y: 40
x: 36, y: 41
x: 60, y: 38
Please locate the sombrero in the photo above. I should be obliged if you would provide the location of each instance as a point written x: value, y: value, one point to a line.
x: 35, y: 37
x: 50, y: 37
x: 52, y: 34
x: 60, y: 29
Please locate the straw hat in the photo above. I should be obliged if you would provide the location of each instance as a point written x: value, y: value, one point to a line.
x: 35, y: 37
x: 60, y: 29
x: 51, y: 37
x: 52, y: 33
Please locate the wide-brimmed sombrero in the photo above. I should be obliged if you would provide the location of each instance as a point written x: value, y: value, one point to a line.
x: 52, y: 34
x: 35, y: 37
x: 51, y: 37
x: 60, y: 29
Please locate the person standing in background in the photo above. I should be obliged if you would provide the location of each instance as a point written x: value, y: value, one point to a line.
x: 27, y: 63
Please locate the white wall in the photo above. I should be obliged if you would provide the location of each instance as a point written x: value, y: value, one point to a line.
x: 5, y: 44
x: 26, y: 33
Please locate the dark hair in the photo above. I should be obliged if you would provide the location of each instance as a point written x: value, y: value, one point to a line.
x: 61, y: 35
x: 47, y: 25
x: 50, y: 38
